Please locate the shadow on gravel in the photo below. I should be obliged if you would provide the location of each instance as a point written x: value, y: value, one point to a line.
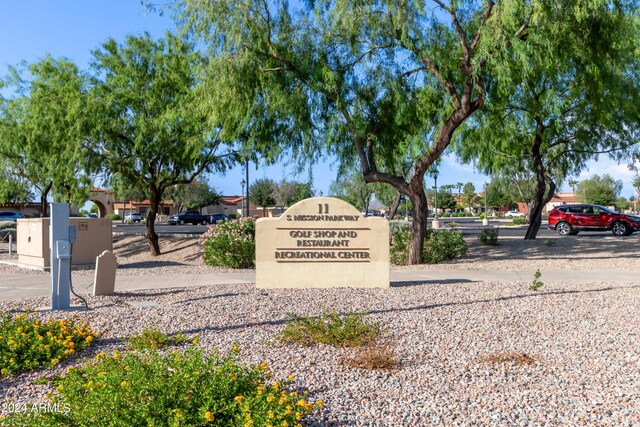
x: 406, y: 309
x: 403, y: 283
x: 143, y: 293
x: 188, y: 300
x: 150, y: 264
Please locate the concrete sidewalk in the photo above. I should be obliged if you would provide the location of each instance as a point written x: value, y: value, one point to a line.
x: 19, y: 286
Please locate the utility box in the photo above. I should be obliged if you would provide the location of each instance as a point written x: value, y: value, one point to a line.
x: 94, y: 236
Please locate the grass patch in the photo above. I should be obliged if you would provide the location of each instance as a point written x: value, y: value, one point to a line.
x: 169, y: 389
x: 511, y: 357
x: 154, y: 339
x: 348, y: 330
x: 27, y: 343
x: 374, y: 357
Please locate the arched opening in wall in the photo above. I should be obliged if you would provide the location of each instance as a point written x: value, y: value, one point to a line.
x: 94, y: 208
x: 101, y: 208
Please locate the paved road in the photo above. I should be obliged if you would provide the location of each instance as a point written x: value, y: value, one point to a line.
x: 469, y: 227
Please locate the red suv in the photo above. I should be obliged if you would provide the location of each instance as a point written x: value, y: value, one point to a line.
x: 571, y: 219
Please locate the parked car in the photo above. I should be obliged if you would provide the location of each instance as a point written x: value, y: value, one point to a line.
x: 215, y: 218
x: 133, y: 217
x: 571, y: 219
x: 91, y: 215
x: 10, y: 215
x: 189, y: 217
x: 514, y: 214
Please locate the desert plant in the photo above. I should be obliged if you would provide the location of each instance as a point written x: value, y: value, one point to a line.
x: 440, y: 245
x: 460, y: 214
x: 453, y: 224
x: 514, y: 357
x: 27, y: 343
x: 443, y: 245
x: 154, y: 339
x: 113, y: 217
x: 468, y: 214
x: 549, y: 242
x: 169, y: 389
x: 536, y: 284
x: 373, y: 356
x: 230, y: 244
x: 348, y: 330
x: 520, y: 221
x: 482, y: 215
x: 399, y: 242
x: 489, y: 236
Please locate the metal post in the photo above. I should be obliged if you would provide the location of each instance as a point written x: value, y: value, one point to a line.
x: 10, y: 244
x: 485, y: 220
x: 60, y: 251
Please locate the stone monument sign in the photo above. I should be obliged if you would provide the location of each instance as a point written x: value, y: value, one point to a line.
x: 322, y: 242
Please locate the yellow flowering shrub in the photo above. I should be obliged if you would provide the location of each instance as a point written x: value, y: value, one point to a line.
x: 28, y: 343
x: 177, y: 388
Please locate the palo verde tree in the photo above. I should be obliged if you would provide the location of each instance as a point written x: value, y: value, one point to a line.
x: 42, y: 126
x: 370, y: 82
x: 352, y: 188
x: 147, y: 128
x: 573, y: 96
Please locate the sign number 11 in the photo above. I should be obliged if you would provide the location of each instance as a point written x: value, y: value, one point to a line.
x: 326, y: 208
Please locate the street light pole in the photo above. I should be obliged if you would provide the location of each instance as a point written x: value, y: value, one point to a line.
x: 435, y: 223
x: 242, y: 183
x: 485, y: 220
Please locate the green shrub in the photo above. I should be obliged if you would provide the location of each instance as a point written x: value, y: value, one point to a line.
x: 468, y: 214
x: 7, y: 225
x: 443, y: 245
x: 439, y: 245
x: 482, y: 215
x: 520, y: 221
x: 154, y: 339
x: 460, y: 214
x: 113, y: 217
x: 27, y: 343
x: 169, y: 389
x: 230, y: 244
x: 399, y: 244
x: 4, y: 234
x: 489, y: 236
x: 331, y: 328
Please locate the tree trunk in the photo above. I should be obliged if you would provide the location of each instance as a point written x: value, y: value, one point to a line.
x: 43, y: 201
x: 420, y: 216
x: 540, y: 199
x: 150, y: 232
x: 395, y: 205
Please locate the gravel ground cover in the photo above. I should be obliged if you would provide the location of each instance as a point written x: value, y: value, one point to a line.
x: 584, y: 342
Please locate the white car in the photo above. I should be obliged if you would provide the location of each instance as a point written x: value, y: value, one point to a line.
x: 514, y: 214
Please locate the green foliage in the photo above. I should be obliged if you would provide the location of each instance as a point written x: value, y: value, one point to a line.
x: 352, y: 188
x: 261, y: 193
x: 154, y: 339
x: 482, y: 215
x: 520, y: 220
x: 169, y: 389
x: 348, y: 330
x: 468, y: 214
x: 600, y: 190
x: 42, y: 130
x: 194, y: 195
x: 549, y: 242
x: 440, y: 245
x: 150, y: 132
x: 537, y: 283
x: 489, y: 236
x: 444, y: 245
x: 7, y: 225
x: 288, y: 193
x: 400, y: 234
x: 27, y: 343
x: 114, y: 217
x: 230, y: 244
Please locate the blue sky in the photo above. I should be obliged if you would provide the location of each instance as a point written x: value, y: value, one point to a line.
x: 31, y: 28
